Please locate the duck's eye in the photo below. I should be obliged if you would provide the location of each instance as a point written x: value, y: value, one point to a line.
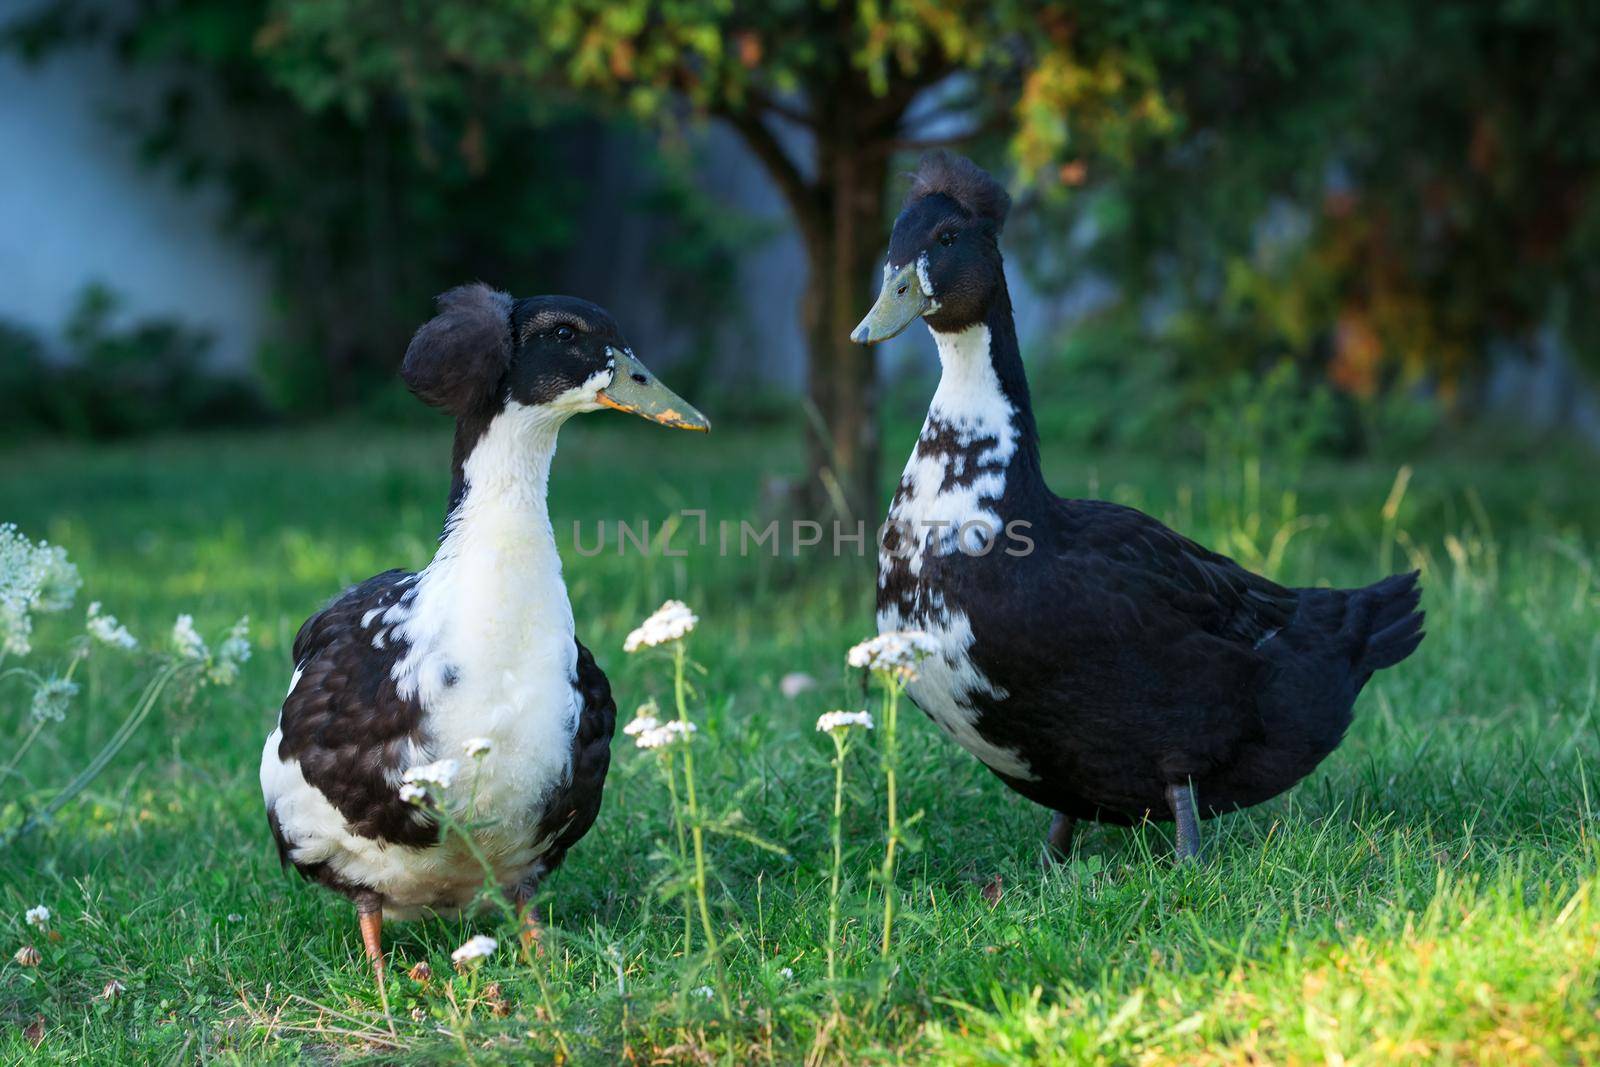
x: 947, y: 238
x: 565, y: 333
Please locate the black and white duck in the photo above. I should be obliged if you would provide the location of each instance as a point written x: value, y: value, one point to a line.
x: 1099, y: 663
x: 464, y: 681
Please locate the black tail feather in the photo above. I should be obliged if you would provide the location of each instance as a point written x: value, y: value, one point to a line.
x: 1395, y: 627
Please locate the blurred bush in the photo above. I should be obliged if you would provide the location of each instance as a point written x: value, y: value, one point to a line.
x: 103, y: 380
x: 1114, y: 383
x: 1389, y: 195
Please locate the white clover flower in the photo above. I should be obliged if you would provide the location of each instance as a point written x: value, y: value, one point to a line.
x: 39, y: 916
x: 186, y: 641
x: 794, y: 683
x: 235, y: 917
x: 107, y: 630
x: 843, y: 720
x: 671, y: 621
x: 33, y: 577
x: 786, y: 973
x: 440, y: 773
x: 52, y: 698
x: 666, y: 734
x: 475, y: 948
x: 898, y: 653
x: 411, y: 793
x: 475, y: 747
x: 703, y: 991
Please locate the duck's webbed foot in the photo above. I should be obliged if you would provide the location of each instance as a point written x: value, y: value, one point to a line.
x: 1058, y: 841
x: 1180, y: 798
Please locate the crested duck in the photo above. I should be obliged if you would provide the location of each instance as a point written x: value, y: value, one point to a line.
x: 1099, y: 663
x: 463, y: 684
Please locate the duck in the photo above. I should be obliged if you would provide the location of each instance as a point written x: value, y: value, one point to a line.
x: 1099, y: 663
x: 462, y: 687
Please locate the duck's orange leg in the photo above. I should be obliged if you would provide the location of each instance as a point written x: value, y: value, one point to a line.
x: 369, y: 912
x: 532, y: 934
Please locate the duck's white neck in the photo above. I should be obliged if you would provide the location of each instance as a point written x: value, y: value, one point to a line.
x: 505, y: 497
x: 493, y: 599
x: 969, y: 395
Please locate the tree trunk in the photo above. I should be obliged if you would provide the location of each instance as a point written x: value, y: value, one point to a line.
x: 842, y: 382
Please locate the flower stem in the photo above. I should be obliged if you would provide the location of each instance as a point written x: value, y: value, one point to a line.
x: 891, y: 702
x: 838, y: 852
x: 38, y: 724
x: 671, y: 768
x: 141, y: 710
x: 696, y: 831
x: 22, y: 749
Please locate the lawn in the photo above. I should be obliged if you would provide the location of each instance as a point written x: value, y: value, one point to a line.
x: 1428, y: 894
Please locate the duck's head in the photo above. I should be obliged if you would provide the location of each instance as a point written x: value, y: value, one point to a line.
x: 944, y: 254
x: 487, y: 350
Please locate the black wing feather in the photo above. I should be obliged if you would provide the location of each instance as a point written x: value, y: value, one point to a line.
x: 1158, y: 566
x: 345, y: 721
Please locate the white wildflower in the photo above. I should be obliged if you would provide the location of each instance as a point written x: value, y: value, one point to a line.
x: 703, y: 991
x: 476, y: 746
x: 475, y: 948
x: 665, y: 734
x: 51, y: 699
x: 186, y: 641
x: 235, y: 917
x: 440, y: 773
x: 647, y: 717
x: 231, y: 654
x: 39, y: 916
x: 16, y: 628
x: 58, y: 579
x: 411, y: 793
x: 643, y: 724
x: 794, y: 683
x: 671, y: 621
x: 107, y: 630
x: 33, y: 577
x: 843, y: 720
x: 786, y: 973
x: 898, y: 653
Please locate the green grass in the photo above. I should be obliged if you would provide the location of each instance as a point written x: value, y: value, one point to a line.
x: 1428, y: 894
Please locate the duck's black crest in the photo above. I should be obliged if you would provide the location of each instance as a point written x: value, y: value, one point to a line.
x: 963, y: 181
x: 458, y: 356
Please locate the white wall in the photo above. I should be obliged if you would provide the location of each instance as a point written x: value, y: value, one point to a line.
x: 77, y: 207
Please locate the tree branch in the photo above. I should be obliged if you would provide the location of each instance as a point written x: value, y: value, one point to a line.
x: 992, y: 124
x: 800, y: 193
x: 789, y: 112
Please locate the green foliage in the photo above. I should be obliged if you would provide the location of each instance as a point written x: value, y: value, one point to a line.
x: 1381, y: 192
x: 109, y: 380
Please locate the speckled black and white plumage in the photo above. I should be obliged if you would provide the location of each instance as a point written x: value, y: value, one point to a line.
x: 405, y: 668
x: 1090, y: 656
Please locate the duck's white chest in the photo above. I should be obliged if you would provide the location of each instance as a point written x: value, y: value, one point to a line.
x: 944, y: 508
x: 501, y: 669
